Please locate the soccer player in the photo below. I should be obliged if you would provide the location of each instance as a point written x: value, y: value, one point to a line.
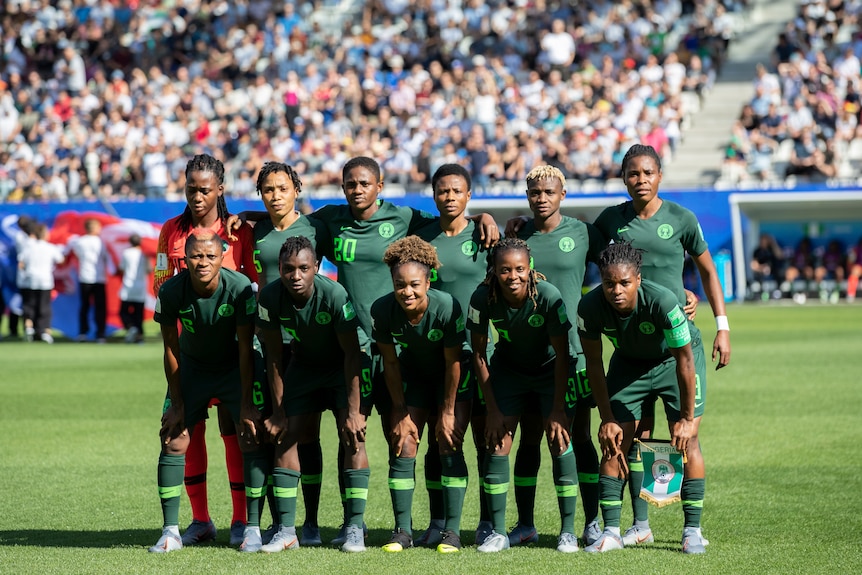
x: 211, y: 358
x: 463, y: 263
x: 560, y: 246
x: 206, y: 210
x: 657, y: 354
x: 665, y: 232
x: 279, y: 187
x: 530, y: 357
x: 424, y: 378
x: 323, y: 373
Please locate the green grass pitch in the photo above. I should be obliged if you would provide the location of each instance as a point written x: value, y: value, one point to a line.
x: 78, y: 451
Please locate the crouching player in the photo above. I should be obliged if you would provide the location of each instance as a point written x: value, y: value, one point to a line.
x: 323, y: 373
x: 657, y: 354
x: 212, y: 359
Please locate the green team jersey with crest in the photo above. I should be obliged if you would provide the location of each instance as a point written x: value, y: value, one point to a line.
x: 665, y: 238
x: 208, y: 335
x: 314, y: 327
x: 524, y: 345
x: 420, y: 346
x: 268, y: 242
x: 561, y: 255
x: 463, y: 260
x: 647, y: 334
x: 356, y: 248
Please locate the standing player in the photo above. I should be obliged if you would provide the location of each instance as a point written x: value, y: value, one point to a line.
x: 279, y: 187
x: 206, y: 210
x: 463, y: 263
x: 424, y: 380
x: 323, y: 373
x: 135, y: 266
x: 211, y: 358
x: 93, y: 267
x: 665, y: 232
x: 561, y: 246
x: 657, y: 354
x: 530, y: 357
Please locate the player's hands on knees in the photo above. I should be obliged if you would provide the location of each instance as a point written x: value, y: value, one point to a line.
x: 250, y: 424
x: 446, y: 433
x: 558, y: 434
x: 403, y: 428
x: 682, y: 434
x: 495, y: 429
x: 173, y: 424
x: 690, y: 307
x: 276, y: 425
x: 353, y: 431
x: 611, y: 439
x: 721, y: 349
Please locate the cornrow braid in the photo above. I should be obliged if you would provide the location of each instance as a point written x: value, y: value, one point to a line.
x: 411, y: 249
x: 620, y: 253
x: 505, y: 245
x: 545, y: 171
x: 205, y: 163
x: 293, y: 245
x: 636, y: 151
x: 274, y: 168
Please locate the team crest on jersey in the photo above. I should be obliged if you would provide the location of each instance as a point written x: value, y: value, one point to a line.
x: 435, y: 335
x: 323, y: 318
x: 665, y: 231
x: 469, y: 248
x: 349, y: 312
x: 646, y: 328
x: 386, y: 230
x: 262, y: 313
x: 225, y: 310
x: 566, y: 244
x: 250, y: 306
x: 536, y: 320
x: 460, y: 324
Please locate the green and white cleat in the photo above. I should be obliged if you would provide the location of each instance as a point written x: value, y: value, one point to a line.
x: 592, y: 532
x: 494, y: 543
x: 284, y: 539
x: 635, y: 535
x: 169, y: 541
x: 567, y: 543
x: 693, y: 542
x: 609, y: 541
x: 354, y: 539
x: 251, y: 542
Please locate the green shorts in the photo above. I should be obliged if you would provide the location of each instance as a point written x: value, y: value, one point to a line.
x: 632, y: 384
x: 200, y: 387
x: 307, y: 390
x: 425, y: 394
x: 515, y: 391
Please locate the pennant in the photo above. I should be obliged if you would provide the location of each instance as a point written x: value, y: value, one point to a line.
x: 663, y: 472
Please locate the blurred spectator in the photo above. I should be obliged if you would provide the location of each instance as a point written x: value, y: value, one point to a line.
x: 93, y: 267
x: 135, y: 267
x: 854, y: 270
x: 799, y: 271
x: 37, y: 261
x: 767, y: 267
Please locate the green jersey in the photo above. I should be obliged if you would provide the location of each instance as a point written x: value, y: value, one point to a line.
x: 463, y: 260
x: 208, y: 336
x: 524, y: 345
x: 268, y: 242
x: 665, y: 238
x: 421, y: 346
x: 356, y: 248
x: 313, y: 327
x: 648, y: 333
x: 561, y: 255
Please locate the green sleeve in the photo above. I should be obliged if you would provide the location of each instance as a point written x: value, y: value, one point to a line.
x: 477, y: 313
x: 454, y: 334
x: 267, y: 310
x: 380, y: 321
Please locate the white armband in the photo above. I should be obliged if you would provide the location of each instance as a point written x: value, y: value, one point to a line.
x: 721, y: 323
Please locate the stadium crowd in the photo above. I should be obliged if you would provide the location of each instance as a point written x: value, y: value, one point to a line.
x: 104, y: 98
x: 803, y: 118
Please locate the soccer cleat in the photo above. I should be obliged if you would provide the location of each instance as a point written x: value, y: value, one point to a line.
x: 354, y: 539
x: 267, y: 535
x: 237, y: 532
x: 29, y: 333
x: 199, y: 532
x: 399, y: 541
x: 482, y: 531
x: 169, y: 541
x: 311, y: 536
x: 285, y: 538
x: 635, y: 535
x: 522, y: 534
x: 567, y: 543
x: 592, y: 532
x: 131, y: 334
x: 692, y: 541
x: 450, y: 542
x: 609, y: 541
x: 433, y: 535
x: 493, y: 543
x: 47, y: 338
x: 342, y: 534
x: 251, y: 542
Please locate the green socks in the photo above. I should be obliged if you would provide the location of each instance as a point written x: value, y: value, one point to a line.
x: 588, y: 479
x: 496, y: 487
x: 528, y: 459
x: 454, y: 482
x: 402, y: 482
x: 611, y: 500
x: 170, y: 478
x: 256, y: 467
x: 566, y: 484
x: 285, y: 483
x: 355, y: 495
x: 311, y: 463
x: 692, y: 500
x: 640, y: 508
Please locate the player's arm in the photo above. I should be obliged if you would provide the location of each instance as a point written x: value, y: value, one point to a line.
x: 610, y: 432
x: 715, y: 295
x: 495, y: 429
x: 489, y: 233
x: 249, y: 414
x: 514, y: 225
x: 236, y: 221
x: 684, y: 429
x: 446, y: 422
x: 402, y: 425
x: 163, y: 269
x: 557, y: 421
x: 276, y: 424
x: 173, y: 423
x: 355, y: 425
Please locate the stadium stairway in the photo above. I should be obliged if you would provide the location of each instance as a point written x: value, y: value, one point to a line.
x: 697, y: 163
